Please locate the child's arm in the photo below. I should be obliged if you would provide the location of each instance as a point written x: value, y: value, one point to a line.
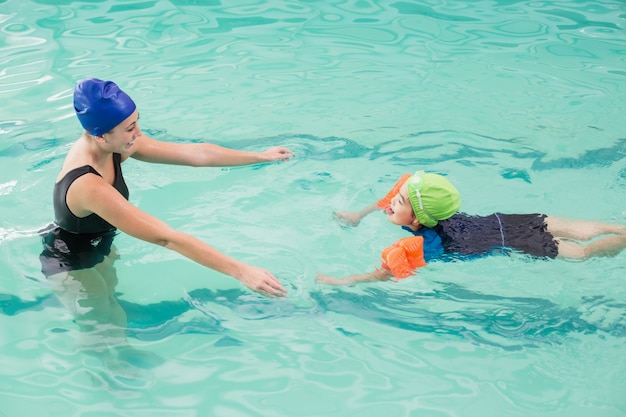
x: 352, y: 219
x: 347, y: 218
x: 377, y: 275
x: 400, y: 260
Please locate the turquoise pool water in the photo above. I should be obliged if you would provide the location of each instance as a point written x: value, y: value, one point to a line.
x: 520, y: 103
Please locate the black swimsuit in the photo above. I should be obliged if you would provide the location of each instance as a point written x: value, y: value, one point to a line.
x: 474, y: 235
x: 72, y: 242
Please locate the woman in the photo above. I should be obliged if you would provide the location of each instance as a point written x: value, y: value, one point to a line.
x: 91, y: 204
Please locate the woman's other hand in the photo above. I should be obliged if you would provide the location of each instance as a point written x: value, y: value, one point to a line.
x: 261, y: 281
x: 277, y: 154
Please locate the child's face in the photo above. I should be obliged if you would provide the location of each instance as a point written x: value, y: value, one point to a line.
x: 400, y: 211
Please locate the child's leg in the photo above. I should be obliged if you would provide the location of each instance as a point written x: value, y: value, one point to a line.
x: 605, y: 246
x: 580, y: 229
x: 565, y: 230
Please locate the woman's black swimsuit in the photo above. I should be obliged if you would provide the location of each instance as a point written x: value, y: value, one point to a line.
x: 71, y: 242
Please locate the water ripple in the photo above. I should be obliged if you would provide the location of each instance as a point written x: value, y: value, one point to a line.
x: 514, y: 95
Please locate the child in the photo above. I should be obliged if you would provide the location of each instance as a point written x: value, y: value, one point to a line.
x: 426, y: 205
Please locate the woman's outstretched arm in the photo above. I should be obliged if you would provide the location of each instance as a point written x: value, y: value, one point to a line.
x: 95, y: 195
x: 202, y: 154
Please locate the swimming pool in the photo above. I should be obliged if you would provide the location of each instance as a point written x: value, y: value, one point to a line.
x: 520, y: 103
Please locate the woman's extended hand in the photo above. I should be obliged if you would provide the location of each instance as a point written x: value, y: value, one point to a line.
x: 261, y: 281
x: 277, y: 154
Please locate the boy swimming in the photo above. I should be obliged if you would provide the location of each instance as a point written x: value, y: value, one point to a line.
x: 427, y: 206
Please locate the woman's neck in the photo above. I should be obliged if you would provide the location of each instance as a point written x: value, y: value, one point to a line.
x: 91, y: 149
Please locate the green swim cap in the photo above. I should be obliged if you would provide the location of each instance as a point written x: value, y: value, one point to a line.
x: 432, y: 197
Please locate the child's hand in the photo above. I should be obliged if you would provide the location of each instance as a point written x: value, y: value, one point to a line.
x: 347, y: 218
x: 326, y: 279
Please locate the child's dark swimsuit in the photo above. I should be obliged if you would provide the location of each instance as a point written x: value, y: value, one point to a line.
x: 77, y: 242
x: 463, y: 235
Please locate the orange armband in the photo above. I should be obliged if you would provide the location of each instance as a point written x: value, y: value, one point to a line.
x: 404, y: 256
x: 384, y: 202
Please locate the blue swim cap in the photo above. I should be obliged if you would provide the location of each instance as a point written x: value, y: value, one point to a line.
x: 101, y: 105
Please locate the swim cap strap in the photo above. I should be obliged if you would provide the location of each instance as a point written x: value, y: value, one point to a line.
x: 414, y: 185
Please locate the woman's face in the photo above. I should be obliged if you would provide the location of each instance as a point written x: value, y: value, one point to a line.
x: 123, y: 136
x: 400, y: 211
